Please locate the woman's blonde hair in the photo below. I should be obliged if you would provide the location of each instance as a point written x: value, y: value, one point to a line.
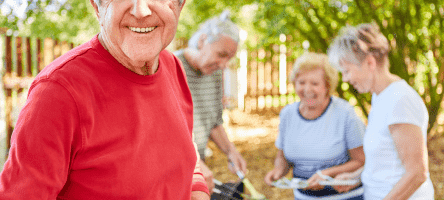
x: 310, y: 61
x: 355, y: 43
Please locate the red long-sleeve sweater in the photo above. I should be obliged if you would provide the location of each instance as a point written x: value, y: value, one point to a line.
x: 92, y: 129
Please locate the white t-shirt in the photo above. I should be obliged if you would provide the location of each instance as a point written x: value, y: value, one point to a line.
x: 398, y: 103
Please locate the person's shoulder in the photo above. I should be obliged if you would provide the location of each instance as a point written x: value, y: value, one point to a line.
x: 289, y: 108
x: 165, y: 54
x: 180, y: 54
x: 403, y: 88
x: 337, y: 102
x: 403, y: 93
x: 400, y: 91
x: 67, y: 61
x: 69, y: 69
x: 173, y: 63
x: 168, y: 58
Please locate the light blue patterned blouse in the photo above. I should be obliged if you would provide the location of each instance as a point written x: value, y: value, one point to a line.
x: 311, y: 145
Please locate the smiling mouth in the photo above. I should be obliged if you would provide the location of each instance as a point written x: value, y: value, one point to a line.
x: 141, y: 30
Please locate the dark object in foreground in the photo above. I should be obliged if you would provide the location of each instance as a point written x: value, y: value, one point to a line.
x: 229, y: 191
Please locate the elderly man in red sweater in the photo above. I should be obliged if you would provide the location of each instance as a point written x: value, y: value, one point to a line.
x: 112, y: 118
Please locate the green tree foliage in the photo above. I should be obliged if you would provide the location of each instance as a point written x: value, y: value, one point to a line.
x: 414, y: 28
x: 66, y: 20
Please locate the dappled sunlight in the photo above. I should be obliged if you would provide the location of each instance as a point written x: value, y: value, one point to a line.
x: 254, y: 137
x: 240, y: 134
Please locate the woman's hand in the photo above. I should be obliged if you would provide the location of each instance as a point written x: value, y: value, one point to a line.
x: 345, y: 176
x: 273, y: 175
x: 313, y: 183
x: 281, y: 168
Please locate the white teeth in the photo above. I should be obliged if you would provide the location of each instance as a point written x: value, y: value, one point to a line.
x: 142, y: 30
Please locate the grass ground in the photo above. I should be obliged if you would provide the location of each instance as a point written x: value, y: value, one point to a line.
x: 254, y: 136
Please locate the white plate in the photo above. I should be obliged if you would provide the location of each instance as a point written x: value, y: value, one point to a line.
x: 294, y: 183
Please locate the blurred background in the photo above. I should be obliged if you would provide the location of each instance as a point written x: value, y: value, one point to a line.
x: 274, y: 33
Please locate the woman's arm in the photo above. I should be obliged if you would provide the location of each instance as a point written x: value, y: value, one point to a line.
x: 281, y: 168
x: 356, y: 162
x: 356, y: 175
x: 412, y: 151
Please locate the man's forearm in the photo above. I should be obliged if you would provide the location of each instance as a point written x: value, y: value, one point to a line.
x: 237, y: 162
x: 220, y: 138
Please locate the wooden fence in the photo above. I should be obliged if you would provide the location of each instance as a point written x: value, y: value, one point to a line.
x: 267, y: 87
x: 268, y: 69
x: 25, y: 57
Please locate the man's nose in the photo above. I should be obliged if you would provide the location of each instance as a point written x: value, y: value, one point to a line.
x: 307, y: 88
x: 224, y: 64
x: 140, y: 8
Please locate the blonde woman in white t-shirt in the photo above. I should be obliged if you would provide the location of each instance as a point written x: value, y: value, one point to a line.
x: 395, y: 147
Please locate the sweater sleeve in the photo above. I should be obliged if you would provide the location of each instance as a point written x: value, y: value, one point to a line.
x: 199, y: 183
x: 42, y: 145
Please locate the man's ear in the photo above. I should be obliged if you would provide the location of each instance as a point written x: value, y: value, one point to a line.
x: 96, y: 8
x: 201, y: 41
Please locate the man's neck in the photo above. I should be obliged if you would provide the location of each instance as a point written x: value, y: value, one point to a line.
x: 143, y: 70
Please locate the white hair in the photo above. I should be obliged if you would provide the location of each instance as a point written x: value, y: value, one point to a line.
x: 342, y: 48
x: 98, y: 2
x: 214, y: 28
x: 355, y: 43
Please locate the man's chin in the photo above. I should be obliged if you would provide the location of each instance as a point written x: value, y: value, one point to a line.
x: 148, y: 59
x: 142, y: 53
